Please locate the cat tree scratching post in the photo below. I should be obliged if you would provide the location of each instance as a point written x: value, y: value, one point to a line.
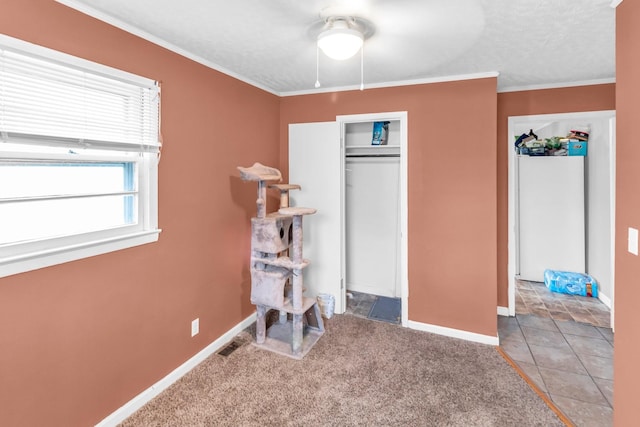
x: 272, y: 237
x: 298, y: 263
x: 284, y: 190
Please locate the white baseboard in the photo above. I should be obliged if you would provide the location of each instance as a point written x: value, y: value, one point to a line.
x: 453, y: 333
x: 605, y: 299
x: 140, y: 400
x: 503, y: 311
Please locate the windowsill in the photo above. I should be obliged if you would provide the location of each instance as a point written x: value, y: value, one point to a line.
x: 35, y: 260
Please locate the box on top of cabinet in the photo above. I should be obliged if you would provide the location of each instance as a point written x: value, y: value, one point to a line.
x: 576, y: 147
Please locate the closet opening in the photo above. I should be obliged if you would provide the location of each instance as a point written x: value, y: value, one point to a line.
x: 357, y: 240
x: 372, y: 219
x: 544, y: 192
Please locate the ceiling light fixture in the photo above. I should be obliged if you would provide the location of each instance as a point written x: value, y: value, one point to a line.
x: 341, y: 39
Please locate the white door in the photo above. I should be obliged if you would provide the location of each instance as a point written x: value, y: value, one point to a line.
x: 316, y: 164
x: 551, y: 215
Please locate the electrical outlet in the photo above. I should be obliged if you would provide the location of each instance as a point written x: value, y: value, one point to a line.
x: 195, y: 327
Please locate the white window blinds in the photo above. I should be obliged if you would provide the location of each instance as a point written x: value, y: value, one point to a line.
x: 79, y: 145
x: 46, y: 102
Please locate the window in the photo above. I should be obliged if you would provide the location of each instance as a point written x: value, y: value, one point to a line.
x: 79, y: 151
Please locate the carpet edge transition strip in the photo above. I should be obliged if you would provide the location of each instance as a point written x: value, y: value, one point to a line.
x: 535, y: 388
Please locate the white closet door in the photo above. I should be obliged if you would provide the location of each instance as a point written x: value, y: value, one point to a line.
x: 315, y: 163
x: 372, y: 224
x: 551, y: 215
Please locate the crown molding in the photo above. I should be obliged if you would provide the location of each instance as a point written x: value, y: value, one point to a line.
x: 556, y: 85
x: 428, y: 80
x: 104, y: 17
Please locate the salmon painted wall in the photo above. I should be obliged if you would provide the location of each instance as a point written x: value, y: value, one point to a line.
x: 627, y: 298
x: 451, y: 191
x: 533, y: 102
x: 79, y: 340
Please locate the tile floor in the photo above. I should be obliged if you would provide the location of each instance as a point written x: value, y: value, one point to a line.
x: 564, y: 345
x: 535, y: 298
x: 359, y: 304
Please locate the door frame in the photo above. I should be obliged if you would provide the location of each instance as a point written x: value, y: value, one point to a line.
x: 402, y: 117
x: 513, y: 260
x: 612, y: 182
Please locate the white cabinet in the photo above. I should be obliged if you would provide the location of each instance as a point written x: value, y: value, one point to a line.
x: 552, y: 215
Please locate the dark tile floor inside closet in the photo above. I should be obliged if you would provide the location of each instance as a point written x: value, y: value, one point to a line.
x: 564, y: 344
x: 363, y: 305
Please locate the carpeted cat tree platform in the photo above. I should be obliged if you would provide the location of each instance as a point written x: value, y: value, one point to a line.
x: 277, y: 271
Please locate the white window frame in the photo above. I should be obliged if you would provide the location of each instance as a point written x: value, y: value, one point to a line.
x: 22, y: 257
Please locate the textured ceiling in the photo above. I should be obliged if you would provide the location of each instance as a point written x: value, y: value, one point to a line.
x: 271, y: 44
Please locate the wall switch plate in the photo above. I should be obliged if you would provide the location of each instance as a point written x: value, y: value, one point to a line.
x: 195, y: 327
x: 633, y: 241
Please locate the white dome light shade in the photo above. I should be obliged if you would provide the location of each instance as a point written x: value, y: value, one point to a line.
x: 340, y: 43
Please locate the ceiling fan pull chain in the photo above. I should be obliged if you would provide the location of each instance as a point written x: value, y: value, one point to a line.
x: 362, y: 67
x: 317, y: 85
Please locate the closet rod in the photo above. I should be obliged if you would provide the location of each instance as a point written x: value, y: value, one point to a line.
x: 372, y: 155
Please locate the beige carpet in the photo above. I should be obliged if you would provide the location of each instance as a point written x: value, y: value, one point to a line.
x: 360, y: 373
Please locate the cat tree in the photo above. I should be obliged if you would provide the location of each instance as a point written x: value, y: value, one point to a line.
x: 276, y: 271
